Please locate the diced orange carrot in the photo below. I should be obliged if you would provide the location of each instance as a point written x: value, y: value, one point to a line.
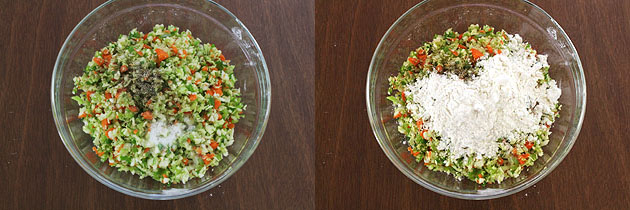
x: 174, y: 49
x: 161, y: 54
x: 147, y: 115
x: 476, y: 53
x: 104, y: 123
x: 529, y: 144
x: 489, y: 49
x: 207, y: 158
x: 455, y: 52
x: 218, y: 91
x: 217, y: 103
x: 119, y: 91
x: 123, y: 68
x: 133, y: 108
x: 413, y: 61
x: 98, y: 61
x: 88, y: 94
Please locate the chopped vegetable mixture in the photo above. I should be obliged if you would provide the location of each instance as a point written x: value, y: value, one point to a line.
x: 164, y: 76
x: 457, y: 54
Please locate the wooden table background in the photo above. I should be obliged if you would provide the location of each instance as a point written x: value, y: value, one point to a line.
x: 354, y: 173
x: 349, y: 170
x: 37, y: 172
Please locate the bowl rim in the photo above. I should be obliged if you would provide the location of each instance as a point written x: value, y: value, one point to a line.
x: 266, y: 108
x: 391, y: 154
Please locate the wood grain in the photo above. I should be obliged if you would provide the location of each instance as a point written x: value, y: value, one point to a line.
x: 352, y: 172
x: 37, y: 172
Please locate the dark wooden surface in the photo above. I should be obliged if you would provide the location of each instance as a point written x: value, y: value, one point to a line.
x: 37, y: 172
x: 353, y: 172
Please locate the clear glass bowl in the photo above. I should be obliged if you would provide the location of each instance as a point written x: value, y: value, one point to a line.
x: 212, y: 24
x: 431, y: 17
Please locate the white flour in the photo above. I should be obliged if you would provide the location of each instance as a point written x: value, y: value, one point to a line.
x: 471, y: 115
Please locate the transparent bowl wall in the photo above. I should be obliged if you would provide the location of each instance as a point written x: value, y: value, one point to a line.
x: 208, y: 21
x: 428, y: 18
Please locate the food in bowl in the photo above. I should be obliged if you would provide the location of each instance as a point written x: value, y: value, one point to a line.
x: 477, y: 104
x: 159, y: 104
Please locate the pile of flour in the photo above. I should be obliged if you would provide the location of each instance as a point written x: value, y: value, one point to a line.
x: 501, y: 101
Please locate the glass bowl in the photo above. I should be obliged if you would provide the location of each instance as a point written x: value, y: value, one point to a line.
x: 208, y: 21
x: 431, y: 17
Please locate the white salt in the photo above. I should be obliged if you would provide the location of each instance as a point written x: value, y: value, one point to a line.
x: 164, y: 134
